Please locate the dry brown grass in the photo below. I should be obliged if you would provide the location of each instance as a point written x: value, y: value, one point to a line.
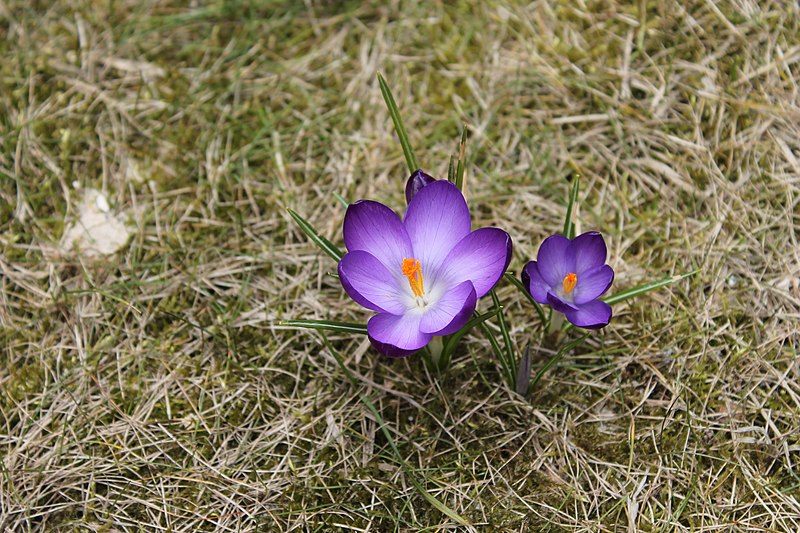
x: 154, y: 391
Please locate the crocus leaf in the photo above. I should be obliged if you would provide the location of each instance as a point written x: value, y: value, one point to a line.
x: 569, y: 224
x: 480, y: 321
x: 341, y: 199
x: 444, y: 509
x: 476, y: 320
x: 459, y: 179
x: 344, y: 327
x: 556, y: 358
x: 503, y: 325
x: 640, y: 289
x: 647, y: 287
x: 325, y: 245
x: 536, y: 305
x: 411, y: 161
x: 451, y: 170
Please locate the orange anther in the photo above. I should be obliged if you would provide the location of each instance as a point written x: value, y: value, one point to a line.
x: 413, y: 271
x: 570, y: 280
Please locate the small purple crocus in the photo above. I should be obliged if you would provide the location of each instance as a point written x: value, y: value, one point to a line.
x: 570, y: 276
x: 423, y: 274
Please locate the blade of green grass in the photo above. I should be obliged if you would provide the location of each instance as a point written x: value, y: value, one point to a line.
x: 444, y: 509
x: 645, y: 288
x: 411, y: 161
x: 344, y: 327
x: 569, y: 224
x: 327, y: 246
x: 679, y: 510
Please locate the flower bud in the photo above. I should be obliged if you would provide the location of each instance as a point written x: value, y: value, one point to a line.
x: 416, y: 182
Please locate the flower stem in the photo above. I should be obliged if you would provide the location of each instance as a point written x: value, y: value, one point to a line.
x: 555, y: 323
x: 554, y: 328
x: 435, y: 348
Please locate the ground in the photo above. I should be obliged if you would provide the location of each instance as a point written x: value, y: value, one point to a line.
x: 152, y: 388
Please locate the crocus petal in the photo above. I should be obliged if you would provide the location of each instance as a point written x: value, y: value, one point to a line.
x: 534, y: 283
x: 553, y: 261
x: 436, y: 219
x: 589, y: 250
x: 560, y: 305
x: 591, y: 315
x: 481, y: 257
x: 417, y: 181
x: 451, y: 311
x: 397, y: 335
x: 374, y: 228
x: 592, y: 284
x: 369, y: 283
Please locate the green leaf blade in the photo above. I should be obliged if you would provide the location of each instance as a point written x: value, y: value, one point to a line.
x: 326, y: 325
x: 325, y: 245
x: 341, y: 199
x: 402, y: 134
x: 477, y: 320
x: 459, y: 177
x: 536, y: 305
x: 511, y: 361
x: 569, y: 224
x: 451, y: 171
x: 645, y: 288
x: 556, y: 358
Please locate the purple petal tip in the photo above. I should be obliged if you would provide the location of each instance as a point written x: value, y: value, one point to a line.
x: 389, y: 350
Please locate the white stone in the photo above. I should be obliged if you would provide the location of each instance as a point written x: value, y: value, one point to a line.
x: 97, y: 231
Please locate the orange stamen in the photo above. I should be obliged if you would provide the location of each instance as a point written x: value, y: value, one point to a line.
x: 413, y: 271
x: 570, y: 280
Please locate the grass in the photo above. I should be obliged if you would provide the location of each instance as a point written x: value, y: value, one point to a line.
x: 153, y: 390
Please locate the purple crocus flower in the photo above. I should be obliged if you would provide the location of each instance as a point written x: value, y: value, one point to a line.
x: 570, y: 276
x: 423, y: 274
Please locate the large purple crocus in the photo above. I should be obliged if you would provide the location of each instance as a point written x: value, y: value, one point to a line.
x: 570, y: 276
x: 423, y: 274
